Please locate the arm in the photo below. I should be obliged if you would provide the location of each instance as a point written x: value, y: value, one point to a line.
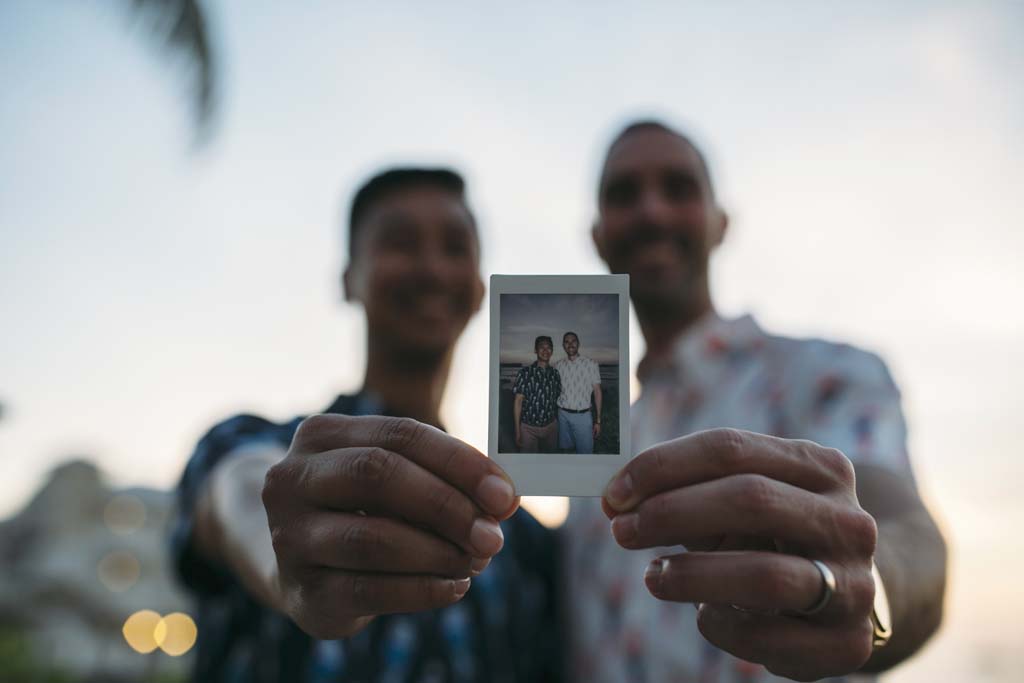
x: 231, y: 525
x: 597, y: 406
x: 911, y: 557
x: 517, y: 413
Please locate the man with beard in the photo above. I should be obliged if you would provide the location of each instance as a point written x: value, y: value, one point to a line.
x: 780, y: 532
x: 377, y: 525
x: 535, y: 408
x: 581, y: 380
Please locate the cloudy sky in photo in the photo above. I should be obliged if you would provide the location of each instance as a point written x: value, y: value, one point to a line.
x: 593, y: 317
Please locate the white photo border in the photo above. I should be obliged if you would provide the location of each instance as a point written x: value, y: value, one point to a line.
x: 560, y: 474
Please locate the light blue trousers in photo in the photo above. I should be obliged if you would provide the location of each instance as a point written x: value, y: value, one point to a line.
x: 576, y: 430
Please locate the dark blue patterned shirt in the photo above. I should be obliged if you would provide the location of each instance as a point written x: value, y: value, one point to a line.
x: 505, y: 629
x: 540, y: 388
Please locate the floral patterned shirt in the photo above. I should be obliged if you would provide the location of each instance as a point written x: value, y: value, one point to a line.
x: 724, y: 373
x: 540, y: 388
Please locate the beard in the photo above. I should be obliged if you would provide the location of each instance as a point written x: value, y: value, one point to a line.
x: 667, y: 268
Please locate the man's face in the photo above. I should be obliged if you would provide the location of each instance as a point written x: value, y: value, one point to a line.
x: 658, y: 221
x: 417, y: 269
x: 571, y: 345
x: 544, y: 351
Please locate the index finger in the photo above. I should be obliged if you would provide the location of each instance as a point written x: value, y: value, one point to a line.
x: 718, y: 453
x: 450, y: 459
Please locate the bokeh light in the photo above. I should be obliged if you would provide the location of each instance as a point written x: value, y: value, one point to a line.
x: 550, y: 511
x: 118, y: 570
x: 176, y: 634
x: 124, y: 514
x: 140, y: 631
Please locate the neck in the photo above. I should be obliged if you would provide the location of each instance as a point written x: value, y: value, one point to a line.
x: 406, y: 385
x: 541, y: 363
x: 662, y: 324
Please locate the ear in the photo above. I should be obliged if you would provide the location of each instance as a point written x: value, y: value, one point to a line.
x: 479, y: 289
x: 597, y: 235
x: 720, y: 226
x: 348, y: 286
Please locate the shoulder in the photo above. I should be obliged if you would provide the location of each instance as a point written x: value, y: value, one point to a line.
x: 244, y: 427
x: 228, y: 435
x: 816, y: 362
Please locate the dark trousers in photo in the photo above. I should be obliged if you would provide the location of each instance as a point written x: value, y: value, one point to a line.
x: 539, y: 439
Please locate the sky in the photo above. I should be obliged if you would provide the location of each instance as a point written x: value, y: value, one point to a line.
x: 870, y: 156
x: 593, y: 317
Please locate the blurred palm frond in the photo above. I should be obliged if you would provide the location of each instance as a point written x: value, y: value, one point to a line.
x: 182, y: 27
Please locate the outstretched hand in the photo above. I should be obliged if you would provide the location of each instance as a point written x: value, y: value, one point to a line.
x: 753, y: 511
x: 374, y: 515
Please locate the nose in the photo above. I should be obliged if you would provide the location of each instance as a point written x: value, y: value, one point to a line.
x: 653, y: 207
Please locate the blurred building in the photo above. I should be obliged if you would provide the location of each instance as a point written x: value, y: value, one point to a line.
x: 75, y: 564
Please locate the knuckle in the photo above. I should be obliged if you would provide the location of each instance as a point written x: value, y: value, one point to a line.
x: 754, y: 494
x: 373, y: 467
x: 359, y: 593
x: 730, y: 446
x: 277, y: 483
x: 446, y: 503
x: 861, y: 532
x: 399, y: 432
x: 281, y: 540
x: 777, y: 580
x: 860, y: 594
x: 835, y: 462
x: 358, y: 538
x: 313, y: 427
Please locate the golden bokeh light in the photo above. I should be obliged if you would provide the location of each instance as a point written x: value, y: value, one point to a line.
x: 124, y: 514
x: 140, y: 631
x: 550, y: 511
x: 118, y: 570
x: 176, y: 634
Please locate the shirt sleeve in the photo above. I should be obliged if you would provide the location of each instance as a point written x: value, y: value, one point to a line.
x: 595, y: 373
x: 845, y: 398
x: 193, y: 570
x: 517, y: 387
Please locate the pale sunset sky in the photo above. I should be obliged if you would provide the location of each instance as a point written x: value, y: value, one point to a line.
x: 871, y: 156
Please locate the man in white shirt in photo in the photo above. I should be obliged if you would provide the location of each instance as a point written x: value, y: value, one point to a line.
x: 581, y: 379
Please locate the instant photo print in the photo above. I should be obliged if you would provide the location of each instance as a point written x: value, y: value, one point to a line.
x: 559, y: 381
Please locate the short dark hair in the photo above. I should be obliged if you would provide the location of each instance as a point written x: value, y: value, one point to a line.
x: 641, y: 125
x: 567, y: 334
x: 396, y: 179
x: 543, y: 338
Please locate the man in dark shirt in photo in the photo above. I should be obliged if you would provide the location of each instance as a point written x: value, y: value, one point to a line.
x: 373, y: 554
x: 537, y: 388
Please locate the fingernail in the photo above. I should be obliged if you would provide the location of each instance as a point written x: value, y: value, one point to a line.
x: 486, y: 537
x: 461, y: 586
x: 624, y: 527
x: 495, y: 495
x: 620, y: 490
x: 478, y: 565
x: 652, y: 577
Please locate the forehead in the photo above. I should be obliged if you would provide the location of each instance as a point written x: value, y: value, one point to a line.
x: 652, y: 151
x: 569, y: 337
x: 419, y: 204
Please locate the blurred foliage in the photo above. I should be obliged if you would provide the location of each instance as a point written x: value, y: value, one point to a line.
x: 18, y: 664
x: 182, y: 27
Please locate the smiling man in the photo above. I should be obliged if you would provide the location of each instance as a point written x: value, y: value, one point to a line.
x: 581, y: 382
x: 780, y: 464
x: 342, y: 546
x: 536, y: 389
